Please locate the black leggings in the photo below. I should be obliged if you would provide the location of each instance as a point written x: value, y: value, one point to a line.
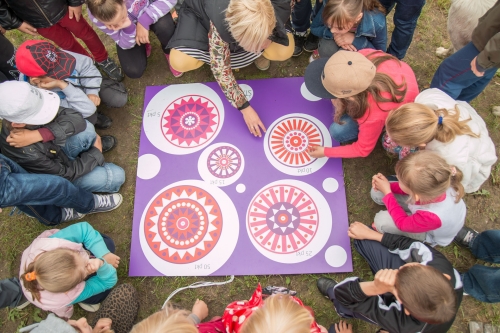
x: 8, y: 70
x: 134, y: 60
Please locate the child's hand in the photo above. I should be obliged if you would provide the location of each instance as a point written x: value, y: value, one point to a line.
x: 316, y: 151
x: 93, y: 265
x: 141, y: 35
x: 112, y: 259
x: 200, y: 309
x: 102, y: 325
x: 380, y: 183
x: 322, y: 329
x: 344, y: 39
x: 343, y: 327
x: 95, y: 99
x: 384, y: 281
x: 22, y: 137
x: 27, y: 29
x: 75, y: 12
x: 358, y: 230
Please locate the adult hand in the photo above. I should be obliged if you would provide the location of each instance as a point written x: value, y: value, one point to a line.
x: 200, y: 309
x: 103, y: 324
x: 93, y: 265
x: 95, y: 99
x: 253, y: 121
x: 141, y: 35
x: 343, y: 39
x: 27, y: 29
x: 22, y: 137
x: 98, y: 142
x: 384, y: 281
x: 474, y: 69
x: 112, y: 259
x: 380, y: 183
x: 358, y: 230
x: 75, y: 12
x: 343, y: 327
x: 316, y: 151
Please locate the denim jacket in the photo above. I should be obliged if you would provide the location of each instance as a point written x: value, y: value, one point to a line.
x: 370, y: 34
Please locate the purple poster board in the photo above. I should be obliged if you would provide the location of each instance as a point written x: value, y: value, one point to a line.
x: 211, y: 199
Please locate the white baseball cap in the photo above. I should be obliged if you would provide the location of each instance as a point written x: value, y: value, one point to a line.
x: 20, y: 102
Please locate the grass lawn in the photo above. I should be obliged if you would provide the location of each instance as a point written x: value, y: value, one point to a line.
x: 17, y: 232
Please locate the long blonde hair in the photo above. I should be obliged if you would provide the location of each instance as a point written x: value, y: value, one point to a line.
x: 413, y: 124
x: 56, y: 271
x: 427, y: 175
x: 280, y: 314
x: 251, y: 22
x: 356, y: 106
x: 168, y: 320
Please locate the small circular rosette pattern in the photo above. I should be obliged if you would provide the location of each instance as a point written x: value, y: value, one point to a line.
x: 288, y: 221
x: 287, y: 141
x: 188, y: 123
x: 189, y: 222
x: 221, y: 164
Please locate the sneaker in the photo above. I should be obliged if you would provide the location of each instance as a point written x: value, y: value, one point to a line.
x: 262, y: 63
x: 69, y: 214
x: 90, y: 307
x: 324, y: 284
x: 148, y: 50
x: 108, y: 143
x: 465, y: 237
x: 103, y: 121
x: 23, y: 302
x: 106, y: 202
x: 174, y: 72
x: 314, y: 56
x: 299, y: 43
x: 111, y: 69
x: 311, y: 43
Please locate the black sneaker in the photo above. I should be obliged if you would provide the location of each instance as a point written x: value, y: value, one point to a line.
x: 106, y: 202
x: 69, y: 214
x: 465, y: 236
x: 111, y: 69
x: 23, y: 302
x: 103, y: 121
x: 324, y: 284
x: 311, y: 43
x: 299, y: 44
x: 108, y: 143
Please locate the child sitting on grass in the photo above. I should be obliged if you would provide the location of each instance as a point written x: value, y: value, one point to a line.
x: 430, y: 190
x: 64, y: 267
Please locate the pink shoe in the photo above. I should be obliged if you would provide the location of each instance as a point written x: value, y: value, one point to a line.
x: 314, y: 56
x: 148, y: 50
x: 174, y: 72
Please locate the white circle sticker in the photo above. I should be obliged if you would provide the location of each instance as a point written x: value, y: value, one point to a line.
x: 148, y: 166
x: 335, y: 256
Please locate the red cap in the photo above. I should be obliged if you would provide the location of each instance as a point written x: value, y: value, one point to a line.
x: 41, y: 58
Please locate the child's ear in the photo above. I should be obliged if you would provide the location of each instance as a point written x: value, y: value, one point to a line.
x: 417, y: 198
x: 447, y: 276
x: 407, y: 312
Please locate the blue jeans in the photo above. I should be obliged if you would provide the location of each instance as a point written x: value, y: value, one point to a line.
x: 38, y: 195
x: 405, y: 19
x: 10, y: 292
x: 303, y: 13
x: 481, y: 282
x: 348, y: 131
x: 455, y: 77
x: 107, y: 178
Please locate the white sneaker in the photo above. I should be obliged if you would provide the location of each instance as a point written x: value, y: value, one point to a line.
x: 90, y: 307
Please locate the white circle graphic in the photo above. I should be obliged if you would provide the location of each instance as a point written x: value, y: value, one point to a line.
x: 330, y: 185
x: 335, y: 256
x: 180, y: 123
x: 221, y: 164
x: 184, y: 207
x: 240, y: 188
x: 148, y: 166
x: 288, y: 221
x: 287, y: 140
x: 247, y: 90
x: 307, y: 94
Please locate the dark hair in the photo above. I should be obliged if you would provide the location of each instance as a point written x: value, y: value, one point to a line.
x: 104, y: 10
x: 426, y: 293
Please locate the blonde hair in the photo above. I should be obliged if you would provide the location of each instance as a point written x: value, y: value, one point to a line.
x: 55, y: 271
x: 427, y: 175
x: 341, y: 13
x: 280, y: 314
x: 413, y: 124
x: 168, y: 320
x: 251, y: 22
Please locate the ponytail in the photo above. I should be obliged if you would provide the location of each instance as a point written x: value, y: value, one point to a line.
x: 30, y: 282
x: 450, y: 125
x: 456, y: 182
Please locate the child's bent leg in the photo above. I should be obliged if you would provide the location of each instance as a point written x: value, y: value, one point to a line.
x: 278, y: 52
x: 10, y: 293
x: 164, y: 30
x: 183, y: 62
x: 80, y: 142
x: 483, y: 283
x: 485, y: 246
x: 377, y: 255
x: 343, y: 311
x: 63, y: 38
x: 113, y: 94
x: 385, y: 224
x: 107, y: 178
x: 133, y: 61
x: 345, y: 132
x: 327, y: 48
x: 377, y: 197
